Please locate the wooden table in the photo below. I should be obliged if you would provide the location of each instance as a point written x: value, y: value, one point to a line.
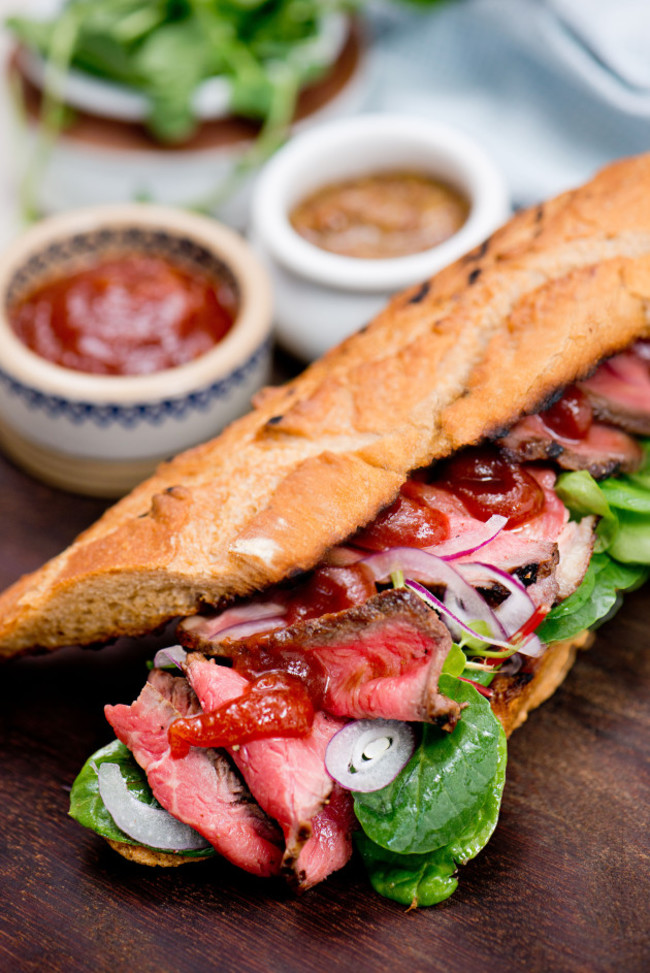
x: 563, y: 885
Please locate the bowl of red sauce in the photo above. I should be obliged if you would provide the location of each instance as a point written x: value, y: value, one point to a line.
x: 128, y: 333
x: 353, y: 210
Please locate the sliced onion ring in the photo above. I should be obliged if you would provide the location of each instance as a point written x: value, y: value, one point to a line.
x: 243, y: 629
x: 173, y: 655
x: 471, y: 540
x: 515, y: 610
x: 368, y: 754
x: 444, y: 609
x: 147, y: 825
x: 208, y: 627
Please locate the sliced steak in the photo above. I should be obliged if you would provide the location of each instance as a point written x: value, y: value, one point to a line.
x: 619, y: 390
x: 286, y: 776
x: 329, y: 588
x: 202, y: 789
x: 379, y: 659
x: 576, y: 544
x: 530, y: 551
x: 330, y: 845
x: 603, y: 451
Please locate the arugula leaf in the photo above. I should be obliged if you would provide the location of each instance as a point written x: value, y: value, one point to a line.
x: 426, y: 879
x: 87, y: 807
x: 442, y: 789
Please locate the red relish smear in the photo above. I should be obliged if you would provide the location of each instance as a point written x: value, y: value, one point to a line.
x: 275, y: 704
x: 488, y: 483
x: 571, y: 416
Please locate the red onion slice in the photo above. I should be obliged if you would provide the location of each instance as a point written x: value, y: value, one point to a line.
x: 243, y: 629
x: 460, y: 623
x: 427, y: 568
x: 368, y: 754
x: 173, y: 655
x: 147, y: 825
x: 209, y: 627
x: 471, y: 540
x: 515, y: 610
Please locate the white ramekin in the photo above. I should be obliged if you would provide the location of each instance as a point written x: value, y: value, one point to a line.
x: 101, y: 434
x: 322, y: 297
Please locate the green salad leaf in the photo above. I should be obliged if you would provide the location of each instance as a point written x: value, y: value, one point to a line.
x: 440, y: 792
x: 87, y: 807
x: 594, y: 601
x: 630, y: 542
x: 166, y: 48
x: 622, y: 557
x: 454, y: 664
x: 413, y: 880
x: 428, y: 878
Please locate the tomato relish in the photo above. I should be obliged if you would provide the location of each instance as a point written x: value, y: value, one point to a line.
x: 128, y: 315
x: 408, y: 522
x: 571, y: 416
x: 274, y: 704
x: 488, y: 483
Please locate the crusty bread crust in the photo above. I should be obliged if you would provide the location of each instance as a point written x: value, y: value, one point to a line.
x: 516, y: 696
x: 148, y: 856
x: 488, y: 339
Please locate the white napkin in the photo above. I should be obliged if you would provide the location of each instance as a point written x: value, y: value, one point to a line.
x: 552, y: 88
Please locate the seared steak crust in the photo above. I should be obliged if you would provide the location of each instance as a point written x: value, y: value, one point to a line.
x: 603, y: 452
x: 379, y: 659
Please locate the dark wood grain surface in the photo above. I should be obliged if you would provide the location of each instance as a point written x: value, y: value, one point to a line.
x: 563, y: 885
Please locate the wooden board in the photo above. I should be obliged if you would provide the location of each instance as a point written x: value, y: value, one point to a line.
x: 563, y: 885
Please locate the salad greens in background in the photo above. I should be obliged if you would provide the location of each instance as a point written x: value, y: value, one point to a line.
x: 442, y: 808
x: 164, y: 49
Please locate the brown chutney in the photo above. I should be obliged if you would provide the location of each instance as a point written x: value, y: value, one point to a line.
x: 381, y: 215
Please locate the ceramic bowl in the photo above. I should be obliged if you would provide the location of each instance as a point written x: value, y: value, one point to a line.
x: 321, y: 297
x: 101, y: 434
x: 106, y: 155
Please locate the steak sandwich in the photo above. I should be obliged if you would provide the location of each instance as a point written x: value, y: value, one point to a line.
x: 376, y: 574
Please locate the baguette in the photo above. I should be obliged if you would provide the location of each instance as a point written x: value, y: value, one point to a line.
x: 447, y: 363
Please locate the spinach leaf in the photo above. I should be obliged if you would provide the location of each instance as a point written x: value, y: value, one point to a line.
x: 445, y: 784
x: 481, y: 676
x: 595, y: 599
x: 582, y: 494
x: 413, y: 880
x: 622, y: 549
x: 426, y: 879
x: 87, y: 807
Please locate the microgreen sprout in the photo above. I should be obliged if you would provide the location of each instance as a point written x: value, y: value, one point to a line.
x: 397, y: 578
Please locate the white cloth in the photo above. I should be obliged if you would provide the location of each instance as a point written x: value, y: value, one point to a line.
x: 552, y: 88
